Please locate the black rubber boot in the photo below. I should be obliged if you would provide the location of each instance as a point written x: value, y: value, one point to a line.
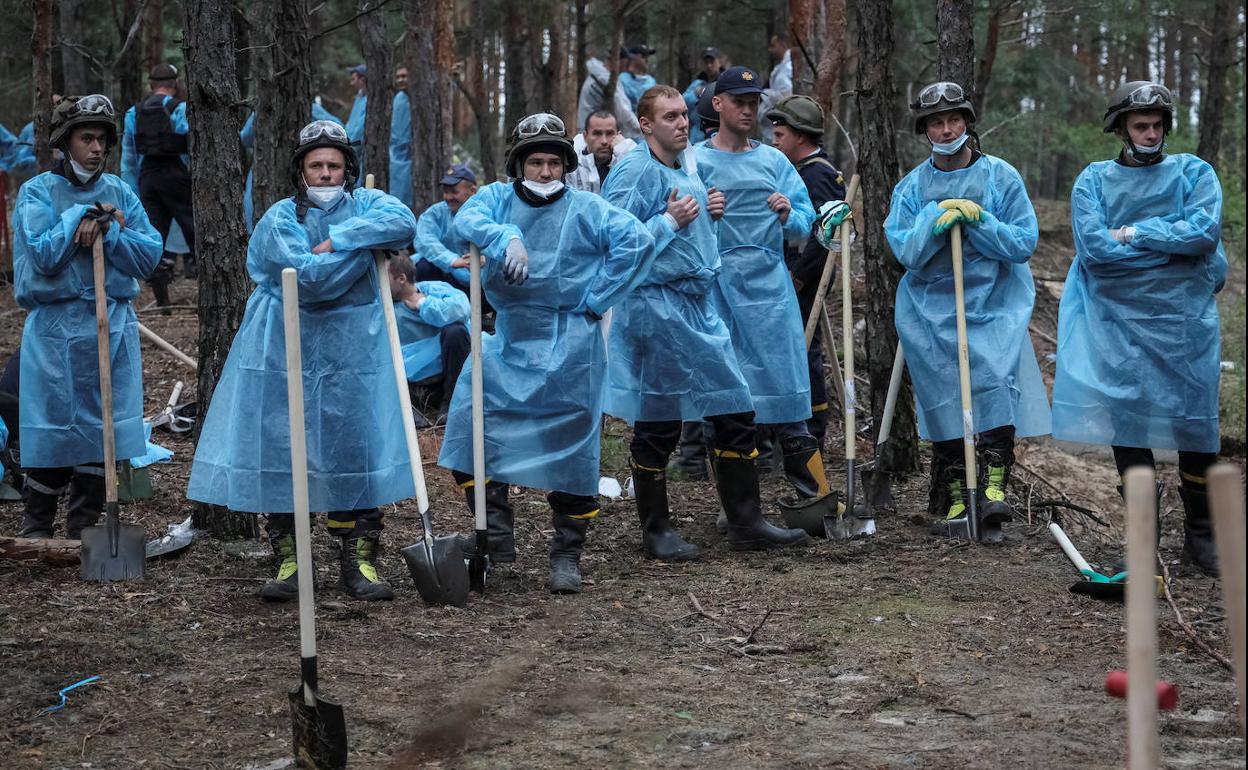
x: 500, y: 522
x: 190, y: 267
x: 565, y: 553
x: 996, y: 477
x: 767, y: 463
x: 284, y: 587
x: 803, y: 466
x: 357, y: 561
x: 86, y: 503
x: 690, y: 459
x: 1198, y: 545
x: 39, y: 520
x: 659, y: 539
x: 737, y: 480
x: 1120, y: 565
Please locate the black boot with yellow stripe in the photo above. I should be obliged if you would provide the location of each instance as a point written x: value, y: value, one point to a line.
x: 285, y: 586
x: 500, y: 520
x: 571, y: 515
x: 659, y: 539
x: 994, y: 509
x: 737, y: 480
x: 361, y: 542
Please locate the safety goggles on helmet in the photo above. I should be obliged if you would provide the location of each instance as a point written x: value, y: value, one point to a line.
x: 541, y: 123
x: 932, y: 95
x: 1151, y: 95
x: 323, y: 128
x: 93, y: 104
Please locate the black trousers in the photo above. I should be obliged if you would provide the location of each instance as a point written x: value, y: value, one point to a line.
x: 363, y: 522
x: 427, y: 271
x: 456, y: 345
x: 165, y: 191
x: 997, y: 440
x: 1192, y: 465
x: 818, y: 422
x: 654, y: 441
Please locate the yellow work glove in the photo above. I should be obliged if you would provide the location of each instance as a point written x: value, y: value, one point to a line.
x: 970, y: 209
x: 947, y: 220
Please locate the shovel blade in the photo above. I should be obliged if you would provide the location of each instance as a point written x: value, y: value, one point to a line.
x: 320, y: 732
x: 1109, y: 592
x: 958, y: 529
x: 112, y: 552
x: 809, y: 514
x: 169, y: 545
x: 437, y: 568
x: 838, y: 527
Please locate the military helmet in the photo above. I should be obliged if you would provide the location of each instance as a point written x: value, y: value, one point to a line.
x: 708, y: 118
x: 799, y: 112
x: 324, y: 133
x: 940, y: 97
x: 74, y: 111
x: 1135, y: 96
x: 542, y: 131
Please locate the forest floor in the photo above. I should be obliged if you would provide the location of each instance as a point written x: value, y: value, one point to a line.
x: 902, y: 650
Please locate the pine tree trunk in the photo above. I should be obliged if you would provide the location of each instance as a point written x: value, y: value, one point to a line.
x: 372, y: 27
x: 153, y: 34
x: 877, y: 163
x: 41, y: 53
x: 473, y: 86
x: 1216, y: 96
x: 955, y: 35
x: 221, y: 239
x: 426, y: 97
x: 283, y: 95
x: 73, y: 41
x: 831, y: 60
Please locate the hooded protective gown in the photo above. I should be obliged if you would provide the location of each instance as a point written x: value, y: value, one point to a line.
x: 401, y: 149
x: 671, y: 357
x: 1006, y: 388
x: 357, y: 457
x: 61, y: 423
x: 438, y: 243
x: 754, y: 293
x: 545, y: 365
x: 1138, y: 333
x: 418, y: 330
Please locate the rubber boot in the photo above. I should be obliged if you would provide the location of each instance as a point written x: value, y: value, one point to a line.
x: 190, y: 267
x: 766, y: 462
x: 993, y: 506
x: 659, y: 539
x: 690, y: 460
x: 565, y: 553
x: 283, y: 587
x: 953, y: 522
x: 160, y: 290
x: 803, y: 466
x: 86, y: 503
x: 1198, y: 545
x: 39, y: 519
x: 737, y: 480
x: 358, y: 567
x: 500, y: 521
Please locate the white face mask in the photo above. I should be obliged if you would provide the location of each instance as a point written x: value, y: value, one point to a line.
x: 326, y: 197
x: 80, y: 171
x: 545, y: 190
x: 951, y: 148
x: 1143, y: 149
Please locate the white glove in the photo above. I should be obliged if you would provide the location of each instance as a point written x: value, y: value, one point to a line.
x: 516, y: 264
x: 1123, y: 234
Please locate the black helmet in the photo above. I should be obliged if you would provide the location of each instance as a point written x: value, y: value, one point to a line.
x: 324, y: 133
x: 940, y: 97
x: 542, y: 131
x: 1135, y: 96
x: 74, y: 111
x: 707, y: 116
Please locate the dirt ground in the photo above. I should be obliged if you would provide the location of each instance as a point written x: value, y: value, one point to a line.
x: 902, y: 650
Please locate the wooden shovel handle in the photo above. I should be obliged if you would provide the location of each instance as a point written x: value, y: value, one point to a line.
x: 825, y: 278
x: 106, y: 372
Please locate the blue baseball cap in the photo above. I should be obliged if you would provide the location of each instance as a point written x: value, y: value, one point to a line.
x: 738, y: 80
x: 359, y: 69
x: 460, y: 172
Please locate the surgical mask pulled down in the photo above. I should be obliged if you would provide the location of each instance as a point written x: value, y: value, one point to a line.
x: 326, y: 197
x: 80, y: 171
x: 951, y: 148
x: 544, y: 189
x: 1146, y: 150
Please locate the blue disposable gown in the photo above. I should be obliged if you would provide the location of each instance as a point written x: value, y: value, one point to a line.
x: 1006, y: 388
x: 1138, y: 334
x: 401, y: 149
x: 419, y: 329
x: 754, y: 292
x: 131, y: 160
x: 61, y: 419
x: 17, y: 152
x: 671, y: 357
x: 545, y: 365
x: 247, y: 135
x: 4, y: 434
x: 635, y: 86
x: 357, y: 457
x: 691, y: 96
x: 438, y: 243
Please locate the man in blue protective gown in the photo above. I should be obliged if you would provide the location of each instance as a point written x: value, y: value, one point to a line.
x: 442, y: 253
x: 671, y: 356
x: 766, y: 202
x: 59, y: 215
x: 1138, y: 358
x: 247, y: 135
x: 959, y: 184
x: 359, y: 110
x: 357, y: 457
x: 432, y: 331
x: 401, y: 140
x: 712, y: 65
x: 556, y: 259
x: 634, y: 75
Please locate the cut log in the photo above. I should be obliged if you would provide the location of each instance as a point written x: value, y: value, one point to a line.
x: 57, y: 552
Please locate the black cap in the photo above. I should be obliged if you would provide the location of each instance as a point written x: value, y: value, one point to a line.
x: 711, y: 53
x: 638, y: 49
x: 738, y: 80
x: 163, y: 72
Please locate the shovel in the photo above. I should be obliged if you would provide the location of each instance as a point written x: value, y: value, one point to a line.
x: 1094, y: 583
x: 877, y: 482
x: 113, y: 551
x: 165, y: 418
x: 479, y: 564
x: 320, y: 730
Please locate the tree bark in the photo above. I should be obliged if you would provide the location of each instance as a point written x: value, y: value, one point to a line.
x: 73, y: 43
x: 1216, y: 96
x: 426, y: 97
x: 831, y: 59
x: 221, y: 238
x: 283, y: 95
x: 376, y: 47
x: 516, y: 40
x: 125, y: 77
x: 154, y: 34
x: 804, y: 41
x: 955, y: 35
x: 41, y: 54
x: 989, y: 57
x: 472, y: 85
x: 582, y: 43
x: 877, y: 164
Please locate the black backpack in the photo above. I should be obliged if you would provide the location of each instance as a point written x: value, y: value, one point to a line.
x: 153, y: 129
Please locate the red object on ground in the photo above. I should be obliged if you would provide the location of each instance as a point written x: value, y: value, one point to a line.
x: 1167, y: 694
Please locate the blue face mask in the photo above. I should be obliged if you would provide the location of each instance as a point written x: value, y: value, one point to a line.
x: 951, y: 148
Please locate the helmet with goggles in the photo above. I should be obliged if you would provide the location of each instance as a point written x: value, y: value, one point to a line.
x: 940, y: 97
x: 324, y: 133
x: 75, y: 111
x: 537, y: 133
x: 1135, y: 96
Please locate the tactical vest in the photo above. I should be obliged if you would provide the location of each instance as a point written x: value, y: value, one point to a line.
x: 153, y: 128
